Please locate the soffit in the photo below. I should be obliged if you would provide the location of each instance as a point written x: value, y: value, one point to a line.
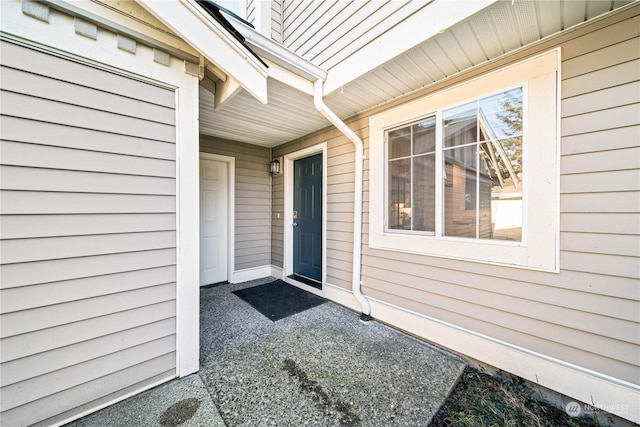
x: 500, y: 28
x: 288, y: 115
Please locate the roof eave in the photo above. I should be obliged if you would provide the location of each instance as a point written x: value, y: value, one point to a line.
x: 212, y: 41
x: 435, y: 18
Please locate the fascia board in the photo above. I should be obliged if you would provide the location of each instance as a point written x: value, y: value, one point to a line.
x: 290, y: 78
x: 213, y: 42
x: 431, y: 20
x: 128, y: 25
x: 279, y: 54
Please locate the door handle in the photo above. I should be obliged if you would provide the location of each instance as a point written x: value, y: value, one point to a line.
x: 295, y: 224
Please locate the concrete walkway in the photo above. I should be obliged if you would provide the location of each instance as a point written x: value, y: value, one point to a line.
x: 321, y: 367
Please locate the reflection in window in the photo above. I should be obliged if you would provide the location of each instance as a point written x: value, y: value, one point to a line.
x: 411, y: 192
x: 481, y: 149
x: 483, y: 168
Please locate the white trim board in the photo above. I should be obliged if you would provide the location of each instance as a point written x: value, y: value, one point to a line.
x: 276, y: 272
x: 231, y: 207
x: 188, y: 231
x: 59, y: 35
x: 247, y: 274
x: 288, y: 206
x: 615, y: 396
x: 194, y: 25
x: 539, y: 248
x: 435, y: 18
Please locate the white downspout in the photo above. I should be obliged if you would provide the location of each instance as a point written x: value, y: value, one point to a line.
x: 318, y: 101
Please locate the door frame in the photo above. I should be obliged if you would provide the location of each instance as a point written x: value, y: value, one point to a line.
x: 231, y: 173
x: 287, y: 267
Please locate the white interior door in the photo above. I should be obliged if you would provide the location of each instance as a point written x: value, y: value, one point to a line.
x: 214, y: 195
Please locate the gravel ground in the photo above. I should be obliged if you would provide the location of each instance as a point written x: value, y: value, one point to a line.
x: 321, y: 367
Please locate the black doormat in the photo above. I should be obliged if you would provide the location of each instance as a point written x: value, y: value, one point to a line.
x: 277, y: 300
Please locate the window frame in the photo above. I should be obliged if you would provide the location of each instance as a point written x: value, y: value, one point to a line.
x: 411, y: 158
x: 539, y: 77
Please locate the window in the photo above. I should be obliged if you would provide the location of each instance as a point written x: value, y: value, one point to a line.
x: 411, y: 153
x: 472, y: 172
x: 235, y: 6
x: 482, y: 172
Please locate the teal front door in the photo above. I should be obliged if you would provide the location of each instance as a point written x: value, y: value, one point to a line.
x: 307, y: 218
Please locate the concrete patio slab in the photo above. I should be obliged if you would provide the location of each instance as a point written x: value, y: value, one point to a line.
x: 320, y: 367
x: 184, y: 402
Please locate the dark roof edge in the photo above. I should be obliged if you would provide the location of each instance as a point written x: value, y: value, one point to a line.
x: 215, y: 11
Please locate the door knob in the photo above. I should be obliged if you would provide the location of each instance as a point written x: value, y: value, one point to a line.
x: 295, y: 224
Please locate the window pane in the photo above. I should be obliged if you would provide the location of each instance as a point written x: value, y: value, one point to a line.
x: 506, y: 214
x: 503, y: 163
x: 399, y: 143
x: 460, y: 165
x: 400, y: 194
x: 501, y: 115
x: 424, y: 136
x: 503, y: 160
x: 461, y: 125
x: 424, y: 193
x: 233, y: 6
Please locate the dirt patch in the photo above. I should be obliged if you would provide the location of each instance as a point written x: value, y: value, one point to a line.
x: 479, y: 400
x: 322, y: 399
x: 180, y: 412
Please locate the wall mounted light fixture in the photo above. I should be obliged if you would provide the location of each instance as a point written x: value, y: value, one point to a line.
x: 274, y: 167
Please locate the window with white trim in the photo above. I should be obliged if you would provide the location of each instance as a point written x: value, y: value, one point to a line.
x: 481, y: 147
x: 472, y: 172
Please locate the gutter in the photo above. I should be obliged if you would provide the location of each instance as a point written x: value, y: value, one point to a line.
x: 277, y: 53
x: 356, y: 284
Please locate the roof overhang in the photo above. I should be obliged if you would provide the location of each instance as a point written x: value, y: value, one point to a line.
x: 431, y: 20
x: 187, y: 19
x: 284, y: 65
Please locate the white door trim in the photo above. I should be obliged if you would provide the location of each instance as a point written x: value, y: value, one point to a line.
x: 288, y: 213
x: 231, y: 171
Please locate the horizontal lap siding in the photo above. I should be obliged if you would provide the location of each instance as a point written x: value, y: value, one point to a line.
x: 339, y: 203
x: 588, y: 313
x: 88, y: 248
x: 329, y: 32
x: 252, y: 200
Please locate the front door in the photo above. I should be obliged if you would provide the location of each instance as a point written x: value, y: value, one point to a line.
x: 307, y: 218
x: 213, y: 221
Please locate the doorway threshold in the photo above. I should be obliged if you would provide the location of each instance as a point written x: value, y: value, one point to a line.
x: 306, y: 280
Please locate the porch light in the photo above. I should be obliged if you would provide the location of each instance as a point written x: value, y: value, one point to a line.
x: 274, y: 167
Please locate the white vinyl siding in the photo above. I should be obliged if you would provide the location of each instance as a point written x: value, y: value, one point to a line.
x: 328, y: 32
x: 273, y: 11
x: 252, y: 200
x: 276, y: 20
x: 88, y: 294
